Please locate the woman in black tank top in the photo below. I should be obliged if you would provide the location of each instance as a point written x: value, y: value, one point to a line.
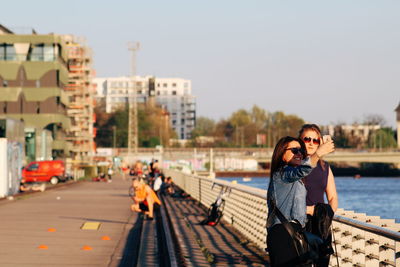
x: 318, y: 183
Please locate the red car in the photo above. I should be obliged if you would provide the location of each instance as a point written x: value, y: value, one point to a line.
x: 51, y: 171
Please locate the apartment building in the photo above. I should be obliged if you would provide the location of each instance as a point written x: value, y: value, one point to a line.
x: 172, y: 94
x: 33, y: 74
x: 175, y: 95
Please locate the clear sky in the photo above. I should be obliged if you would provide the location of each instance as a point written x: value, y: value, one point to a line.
x: 325, y: 61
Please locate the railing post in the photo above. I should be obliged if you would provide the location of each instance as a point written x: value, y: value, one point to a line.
x: 212, y: 174
x: 194, y: 160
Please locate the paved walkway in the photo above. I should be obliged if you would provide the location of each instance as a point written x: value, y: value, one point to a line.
x: 47, y: 230
x: 44, y: 229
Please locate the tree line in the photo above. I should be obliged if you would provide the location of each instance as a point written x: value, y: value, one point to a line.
x: 153, y: 126
x: 255, y: 127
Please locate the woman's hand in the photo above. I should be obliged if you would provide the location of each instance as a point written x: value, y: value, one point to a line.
x: 322, y: 150
x: 325, y: 148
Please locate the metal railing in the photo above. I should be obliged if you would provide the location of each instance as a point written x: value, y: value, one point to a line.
x: 360, y: 240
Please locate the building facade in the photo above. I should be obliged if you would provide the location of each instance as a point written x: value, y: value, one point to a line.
x: 172, y: 94
x: 33, y: 74
x: 80, y: 91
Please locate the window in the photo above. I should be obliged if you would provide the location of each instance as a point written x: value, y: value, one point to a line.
x: 9, y: 52
x: 42, y: 52
x: 2, y: 52
x: 5, y: 83
x: 165, y: 85
x: 48, y: 52
x: 174, y: 122
x: 174, y: 85
x: 158, y: 85
x: 158, y: 92
x: 173, y: 92
x: 33, y: 167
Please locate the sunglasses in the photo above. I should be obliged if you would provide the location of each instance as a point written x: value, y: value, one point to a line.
x: 309, y: 139
x: 295, y: 150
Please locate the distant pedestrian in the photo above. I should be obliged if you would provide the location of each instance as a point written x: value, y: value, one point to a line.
x: 167, y: 187
x: 158, y: 183
x: 110, y: 173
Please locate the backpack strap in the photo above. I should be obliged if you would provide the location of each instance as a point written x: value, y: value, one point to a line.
x: 288, y: 226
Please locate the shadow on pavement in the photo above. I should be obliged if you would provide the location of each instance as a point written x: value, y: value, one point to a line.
x: 131, y: 250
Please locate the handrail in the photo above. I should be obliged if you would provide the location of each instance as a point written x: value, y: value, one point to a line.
x: 368, y: 227
x: 243, y: 188
x: 354, y: 223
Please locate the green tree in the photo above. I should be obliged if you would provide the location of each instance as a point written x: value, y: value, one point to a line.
x: 259, y: 117
x: 204, y: 127
x: 153, y: 127
x: 224, y: 132
x: 382, y: 138
x: 279, y: 125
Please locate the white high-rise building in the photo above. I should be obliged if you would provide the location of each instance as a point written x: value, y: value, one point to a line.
x: 172, y: 94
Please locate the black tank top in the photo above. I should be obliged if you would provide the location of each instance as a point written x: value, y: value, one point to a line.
x: 316, y: 183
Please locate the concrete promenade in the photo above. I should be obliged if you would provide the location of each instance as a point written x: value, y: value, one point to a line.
x: 44, y: 229
x: 47, y: 229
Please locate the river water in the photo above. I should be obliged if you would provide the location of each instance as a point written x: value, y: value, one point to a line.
x: 373, y: 196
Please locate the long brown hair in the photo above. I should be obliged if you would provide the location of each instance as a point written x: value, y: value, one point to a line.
x: 316, y: 129
x: 276, y: 162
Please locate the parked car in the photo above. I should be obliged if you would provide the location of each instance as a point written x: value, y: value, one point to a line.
x: 52, y: 171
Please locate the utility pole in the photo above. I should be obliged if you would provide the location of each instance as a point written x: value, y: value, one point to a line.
x: 114, y: 128
x: 133, y: 118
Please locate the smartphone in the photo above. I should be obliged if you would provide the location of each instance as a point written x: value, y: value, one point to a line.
x: 326, y: 138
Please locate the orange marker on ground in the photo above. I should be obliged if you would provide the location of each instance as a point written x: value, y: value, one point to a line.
x: 106, y: 237
x: 51, y: 230
x: 87, y: 248
x: 43, y: 247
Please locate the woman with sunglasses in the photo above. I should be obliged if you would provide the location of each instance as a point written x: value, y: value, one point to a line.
x: 286, y: 191
x: 318, y: 183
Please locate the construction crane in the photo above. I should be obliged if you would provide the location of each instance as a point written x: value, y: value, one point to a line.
x: 133, y: 132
